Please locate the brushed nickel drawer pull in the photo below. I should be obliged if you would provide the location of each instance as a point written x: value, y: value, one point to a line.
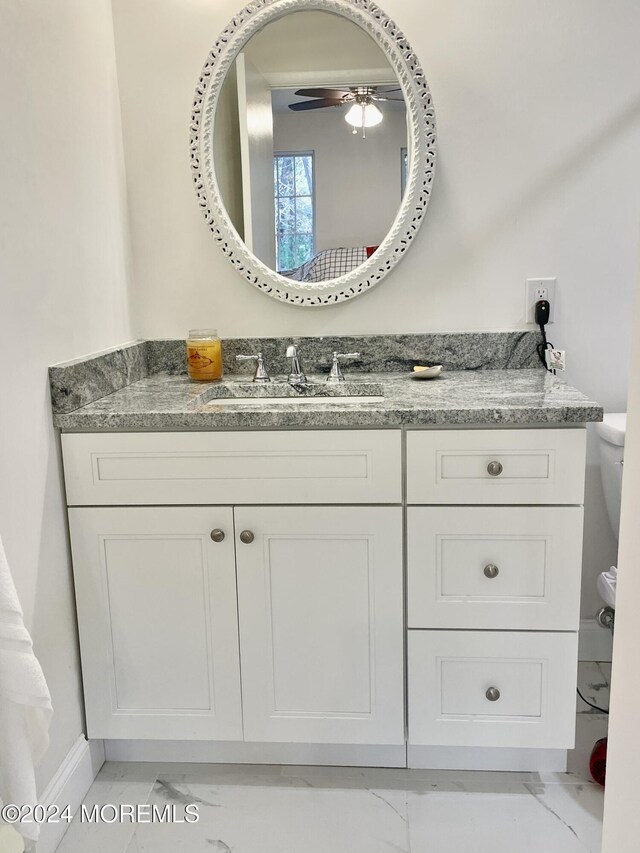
x: 217, y: 535
x: 247, y: 537
x: 495, y: 469
x: 492, y: 694
x: 491, y: 571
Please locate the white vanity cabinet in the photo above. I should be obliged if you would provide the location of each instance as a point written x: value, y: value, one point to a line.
x: 247, y: 587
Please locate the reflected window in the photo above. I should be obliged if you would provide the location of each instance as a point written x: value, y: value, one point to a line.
x: 294, y: 192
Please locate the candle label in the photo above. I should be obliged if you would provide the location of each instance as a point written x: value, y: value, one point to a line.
x: 204, y: 361
x: 198, y: 360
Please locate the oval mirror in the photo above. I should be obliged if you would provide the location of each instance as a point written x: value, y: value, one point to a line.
x: 313, y: 147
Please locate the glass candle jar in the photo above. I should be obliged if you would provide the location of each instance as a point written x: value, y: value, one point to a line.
x: 204, y: 355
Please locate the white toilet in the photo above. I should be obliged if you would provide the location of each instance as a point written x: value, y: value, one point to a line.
x: 611, y: 433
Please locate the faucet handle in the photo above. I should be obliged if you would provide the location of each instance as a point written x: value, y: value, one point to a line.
x: 261, y: 374
x: 335, y: 374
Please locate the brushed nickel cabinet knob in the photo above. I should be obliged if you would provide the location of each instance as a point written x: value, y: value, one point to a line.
x: 492, y: 694
x: 495, y: 469
x: 217, y: 535
x: 247, y: 537
x: 491, y: 571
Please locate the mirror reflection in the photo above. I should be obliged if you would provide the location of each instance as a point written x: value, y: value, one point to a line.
x: 310, y: 145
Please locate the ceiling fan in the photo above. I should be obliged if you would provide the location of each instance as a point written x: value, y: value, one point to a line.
x: 362, y: 95
x: 363, y: 113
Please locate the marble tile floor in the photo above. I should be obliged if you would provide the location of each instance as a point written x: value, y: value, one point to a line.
x: 267, y: 809
x: 593, y: 681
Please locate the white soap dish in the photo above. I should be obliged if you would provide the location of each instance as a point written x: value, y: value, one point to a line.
x: 427, y: 372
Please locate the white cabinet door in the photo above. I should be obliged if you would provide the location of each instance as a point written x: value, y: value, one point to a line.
x: 157, y: 619
x: 321, y: 624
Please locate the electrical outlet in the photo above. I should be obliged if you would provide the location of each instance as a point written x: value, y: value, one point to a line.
x: 537, y: 289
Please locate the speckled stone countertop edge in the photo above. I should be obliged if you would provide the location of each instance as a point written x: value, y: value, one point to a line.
x: 308, y: 419
x: 463, y: 398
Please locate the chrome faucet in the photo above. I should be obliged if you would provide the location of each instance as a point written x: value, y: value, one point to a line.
x: 296, y: 374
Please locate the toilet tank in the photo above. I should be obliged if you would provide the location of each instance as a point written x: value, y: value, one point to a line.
x: 611, y: 433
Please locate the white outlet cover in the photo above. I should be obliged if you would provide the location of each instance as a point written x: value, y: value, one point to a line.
x: 536, y: 289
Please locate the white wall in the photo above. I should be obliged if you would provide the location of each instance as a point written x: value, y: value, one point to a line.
x: 621, y: 828
x: 357, y: 180
x: 63, y: 280
x: 538, y: 110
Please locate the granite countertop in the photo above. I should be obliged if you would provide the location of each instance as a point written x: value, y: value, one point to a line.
x: 164, y: 401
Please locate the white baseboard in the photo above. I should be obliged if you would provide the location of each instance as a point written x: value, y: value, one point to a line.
x: 69, y: 787
x: 486, y: 758
x: 595, y: 641
x: 234, y: 752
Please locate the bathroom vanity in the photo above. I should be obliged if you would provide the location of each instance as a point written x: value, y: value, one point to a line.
x: 393, y: 583
x: 383, y: 572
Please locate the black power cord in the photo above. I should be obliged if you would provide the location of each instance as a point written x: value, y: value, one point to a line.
x: 590, y: 704
x: 542, y: 311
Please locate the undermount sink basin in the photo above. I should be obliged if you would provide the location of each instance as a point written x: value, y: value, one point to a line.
x: 272, y: 393
x: 294, y: 401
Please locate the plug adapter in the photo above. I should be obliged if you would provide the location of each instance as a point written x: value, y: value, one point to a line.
x: 542, y: 312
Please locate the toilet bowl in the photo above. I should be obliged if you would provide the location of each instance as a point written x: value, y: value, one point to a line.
x: 611, y: 434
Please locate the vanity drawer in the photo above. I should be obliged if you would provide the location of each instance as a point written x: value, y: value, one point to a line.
x: 491, y: 688
x: 270, y: 467
x: 511, y: 466
x: 494, y: 567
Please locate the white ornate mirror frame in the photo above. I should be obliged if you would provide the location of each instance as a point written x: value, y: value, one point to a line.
x: 421, y: 144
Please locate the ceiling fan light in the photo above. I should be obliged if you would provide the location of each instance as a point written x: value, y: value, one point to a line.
x: 372, y: 115
x: 367, y: 116
x: 354, y: 116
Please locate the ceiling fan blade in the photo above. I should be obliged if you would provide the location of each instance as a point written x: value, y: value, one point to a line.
x: 316, y: 105
x: 384, y: 90
x: 324, y: 93
x: 384, y: 98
